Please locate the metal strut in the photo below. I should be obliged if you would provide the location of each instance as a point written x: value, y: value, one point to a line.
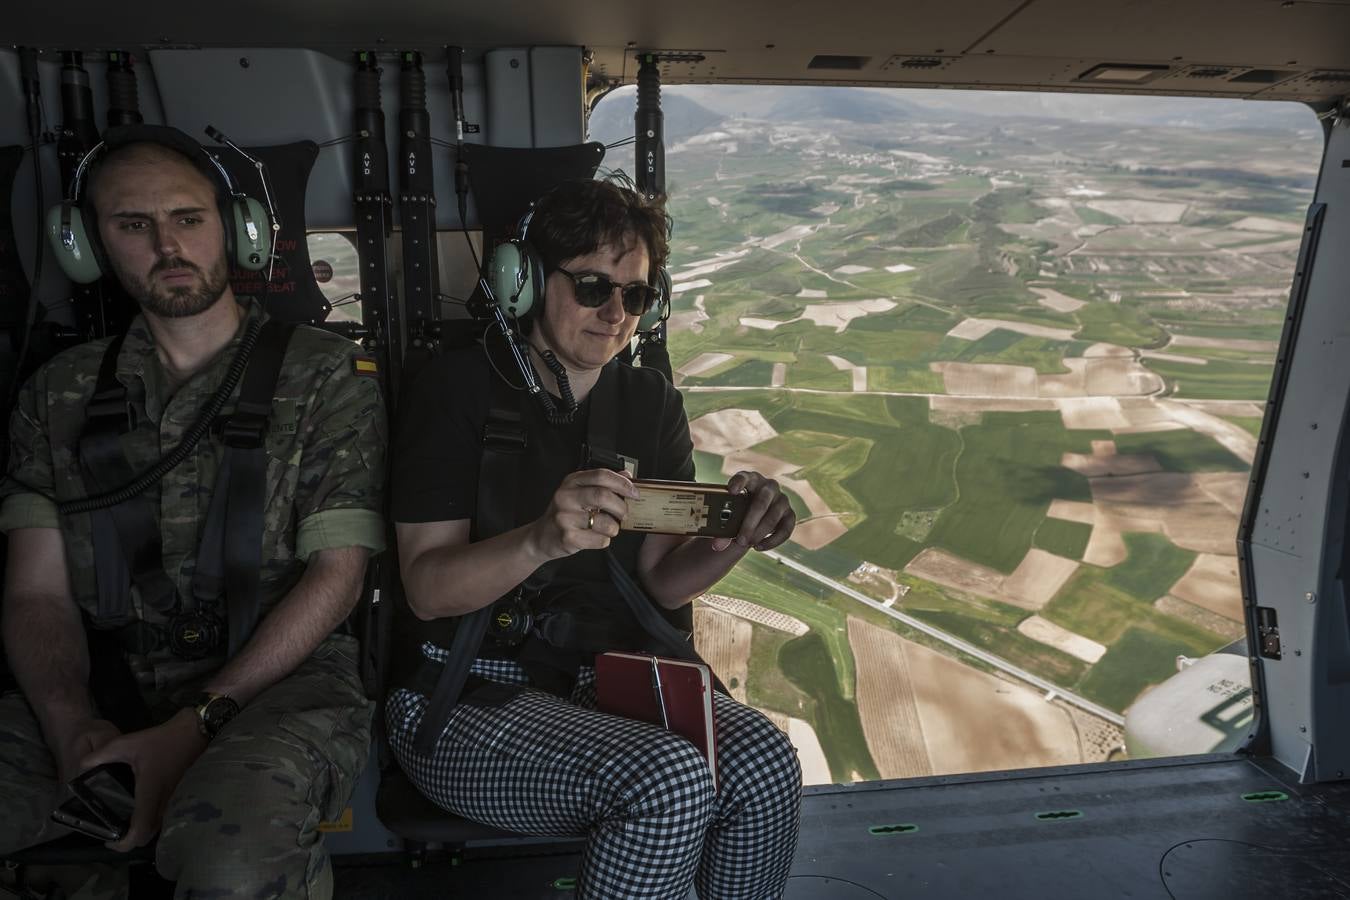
x: 417, y: 202
x: 374, y: 223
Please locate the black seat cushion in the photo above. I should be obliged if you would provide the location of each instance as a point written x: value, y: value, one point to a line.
x: 406, y: 812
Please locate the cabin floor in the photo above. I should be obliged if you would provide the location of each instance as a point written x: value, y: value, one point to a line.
x: 1188, y: 828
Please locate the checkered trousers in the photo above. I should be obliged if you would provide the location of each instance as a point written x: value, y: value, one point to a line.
x: 642, y: 796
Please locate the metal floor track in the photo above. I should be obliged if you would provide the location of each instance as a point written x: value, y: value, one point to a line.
x: 1207, y: 827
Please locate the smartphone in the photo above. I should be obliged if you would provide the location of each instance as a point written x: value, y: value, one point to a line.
x: 99, y: 802
x: 685, y: 507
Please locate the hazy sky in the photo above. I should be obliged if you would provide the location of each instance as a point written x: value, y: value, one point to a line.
x: 1179, y: 111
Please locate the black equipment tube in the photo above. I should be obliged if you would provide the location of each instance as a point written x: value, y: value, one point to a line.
x: 95, y: 308
x: 374, y: 223
x: 648, y: 125
x: 124, y: 105
x: 455, y: 69
x: 79, y: 131
x: 650, y: 149
x: 455, y: 66
x: 417, y: 200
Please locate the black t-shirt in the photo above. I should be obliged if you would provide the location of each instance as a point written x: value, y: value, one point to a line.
x: 438, y: 446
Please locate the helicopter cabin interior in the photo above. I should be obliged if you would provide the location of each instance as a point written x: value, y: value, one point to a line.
x: 410, y: 124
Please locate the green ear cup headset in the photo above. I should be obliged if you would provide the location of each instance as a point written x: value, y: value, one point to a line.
x: 245, y: 221
x: 515, y: 273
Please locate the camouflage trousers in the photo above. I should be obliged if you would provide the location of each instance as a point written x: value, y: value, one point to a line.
x: 243, y: 822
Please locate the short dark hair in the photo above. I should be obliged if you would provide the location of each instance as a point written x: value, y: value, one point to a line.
x: 141, y: 149
x: 580, y: 217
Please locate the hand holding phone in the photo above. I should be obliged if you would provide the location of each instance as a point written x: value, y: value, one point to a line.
x: 98, y: 802
x: 685, y: 507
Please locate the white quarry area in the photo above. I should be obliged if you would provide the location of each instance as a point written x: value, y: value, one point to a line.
x: 827, y: 315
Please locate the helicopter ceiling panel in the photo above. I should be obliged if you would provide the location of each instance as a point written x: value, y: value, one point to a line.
x: 1269, y: 49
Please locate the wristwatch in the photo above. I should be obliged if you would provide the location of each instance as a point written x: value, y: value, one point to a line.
x: 213, y: 711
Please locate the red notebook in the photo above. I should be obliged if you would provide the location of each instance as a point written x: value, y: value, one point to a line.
x: 667, y: 692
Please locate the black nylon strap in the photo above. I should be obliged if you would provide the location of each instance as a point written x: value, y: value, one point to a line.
x: 504, y: 444
x: 126, y: 537
x: 602, y: 433
x: 230, y: 554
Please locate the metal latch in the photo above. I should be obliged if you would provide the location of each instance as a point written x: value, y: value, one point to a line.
x: 1268, y: 632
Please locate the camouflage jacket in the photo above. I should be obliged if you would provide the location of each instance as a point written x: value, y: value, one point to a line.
x: 325, y: 473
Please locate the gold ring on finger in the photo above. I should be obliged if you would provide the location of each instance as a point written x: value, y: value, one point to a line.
x: 590, y: 519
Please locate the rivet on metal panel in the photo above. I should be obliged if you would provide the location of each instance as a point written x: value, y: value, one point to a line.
x: 1310, y: 597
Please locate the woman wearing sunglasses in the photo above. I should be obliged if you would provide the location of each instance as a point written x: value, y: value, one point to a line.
x: 524, y: 748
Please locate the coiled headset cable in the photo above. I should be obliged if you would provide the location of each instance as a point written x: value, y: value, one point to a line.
x: 171, y: 460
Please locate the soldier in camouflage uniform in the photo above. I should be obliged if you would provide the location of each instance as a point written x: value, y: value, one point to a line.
x: 236, y: 815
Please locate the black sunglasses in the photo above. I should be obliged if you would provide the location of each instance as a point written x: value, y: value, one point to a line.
x: 593, y: 289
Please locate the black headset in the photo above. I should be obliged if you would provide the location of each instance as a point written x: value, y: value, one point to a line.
x: 516, y: 276
x: 80, y: 253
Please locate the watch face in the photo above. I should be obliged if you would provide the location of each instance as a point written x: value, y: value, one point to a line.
x: 216, y: 712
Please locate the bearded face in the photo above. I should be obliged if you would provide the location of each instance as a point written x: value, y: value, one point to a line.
x: 160, y: 227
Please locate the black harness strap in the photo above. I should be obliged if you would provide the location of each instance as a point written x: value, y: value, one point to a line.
x: 126, y: 536
x: 602, y: 434
x: 230, y: 554
x: 504, y: 444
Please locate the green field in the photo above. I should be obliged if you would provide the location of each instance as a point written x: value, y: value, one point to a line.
x: 1182, y: 451
x: 1008, y: 473
x: 1100, y: 603
x: 1139, y: 659
x: 807, y: 663
x: 761, y: 580
x: 1216, y: 380
x: 1250, y: 424
x: 1063, y: 538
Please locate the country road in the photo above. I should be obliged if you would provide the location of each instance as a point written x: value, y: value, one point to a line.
x: 968, y: 648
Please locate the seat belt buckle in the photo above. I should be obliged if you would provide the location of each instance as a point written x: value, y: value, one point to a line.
x: 602, y: 458
x: 245, y: 429
x: 504, y: 438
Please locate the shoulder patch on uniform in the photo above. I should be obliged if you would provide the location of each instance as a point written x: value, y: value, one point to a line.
x: 365, y: 365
